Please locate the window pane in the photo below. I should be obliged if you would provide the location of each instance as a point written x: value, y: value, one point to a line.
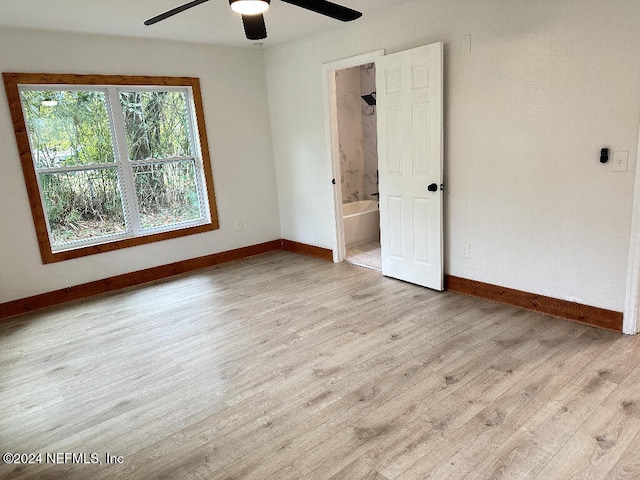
x: 67, y: 128
x: 156, y: 124
x: 167, y: 193
x: 82, y: 205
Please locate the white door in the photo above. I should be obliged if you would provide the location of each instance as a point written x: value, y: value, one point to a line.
x: 409, y: 104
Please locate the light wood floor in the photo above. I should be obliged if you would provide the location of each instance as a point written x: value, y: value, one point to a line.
x: 287, y: 367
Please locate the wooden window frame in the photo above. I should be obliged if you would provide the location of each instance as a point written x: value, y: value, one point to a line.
x: 13, y: 81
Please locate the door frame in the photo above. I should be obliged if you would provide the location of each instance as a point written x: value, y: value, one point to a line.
x: 631, y: 316
x: 331, y: 141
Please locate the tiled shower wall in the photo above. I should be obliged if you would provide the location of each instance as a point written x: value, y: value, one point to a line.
x: 357, y: 134
x: 369, y: 132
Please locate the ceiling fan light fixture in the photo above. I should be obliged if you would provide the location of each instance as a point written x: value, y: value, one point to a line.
x: 253, y: 18
x: 249, y: 7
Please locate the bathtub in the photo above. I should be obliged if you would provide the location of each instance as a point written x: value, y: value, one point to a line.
x: 361, y: 222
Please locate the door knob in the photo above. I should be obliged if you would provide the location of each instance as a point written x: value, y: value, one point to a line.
x: 433, y: 187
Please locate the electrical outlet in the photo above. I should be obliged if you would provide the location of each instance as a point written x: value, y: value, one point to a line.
x: 239, y: 225
x: 465, y: 45
x: 466, y: 250
x: 620, y: 162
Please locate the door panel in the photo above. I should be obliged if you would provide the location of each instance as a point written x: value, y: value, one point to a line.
x: 421, y: 231
x: 420, y: 124
x: 409, y: 100
x: 395, y: 227
x: 393, y: 135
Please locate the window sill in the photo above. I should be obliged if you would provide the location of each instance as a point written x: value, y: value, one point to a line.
x: 48, y: 256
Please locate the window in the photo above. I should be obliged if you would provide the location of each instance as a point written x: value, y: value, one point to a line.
x: 111, y: 162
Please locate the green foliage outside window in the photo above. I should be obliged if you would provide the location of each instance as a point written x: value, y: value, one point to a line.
x: 156, y: 124
x: 71, y: 128
x: 68, y: 128
x: 167, y: 193
x: 82, y: 205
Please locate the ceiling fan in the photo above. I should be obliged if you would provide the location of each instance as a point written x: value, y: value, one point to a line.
x: 252, y: 10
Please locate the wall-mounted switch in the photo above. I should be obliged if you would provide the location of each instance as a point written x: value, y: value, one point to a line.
x: 620, y: 162
x: 466, y: 251
x: 239, y: 226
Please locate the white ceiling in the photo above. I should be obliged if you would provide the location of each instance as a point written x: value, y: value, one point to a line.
x: 212, y: 22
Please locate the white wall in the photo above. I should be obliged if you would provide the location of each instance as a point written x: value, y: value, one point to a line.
x: 234, y: 95
x: 548, y: 83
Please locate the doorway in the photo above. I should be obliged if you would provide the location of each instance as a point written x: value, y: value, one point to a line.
x: 350, y: 112
x: 409, y: 87
x: 631, y: 316
x: 358, y: 146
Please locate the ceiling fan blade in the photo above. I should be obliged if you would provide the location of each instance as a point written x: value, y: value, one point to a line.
x: 254, y: 26
x: 174, y: 11
x: 323, y: 7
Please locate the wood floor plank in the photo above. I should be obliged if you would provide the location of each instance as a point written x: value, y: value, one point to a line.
x: 595, y: 448
x: 502, y: 417
x: 284, y: 367
x: 628, y: 466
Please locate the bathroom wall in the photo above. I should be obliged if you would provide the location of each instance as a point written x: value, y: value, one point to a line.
x: 369, y: 132
x: 357, y: 136
x: 350, y: 137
